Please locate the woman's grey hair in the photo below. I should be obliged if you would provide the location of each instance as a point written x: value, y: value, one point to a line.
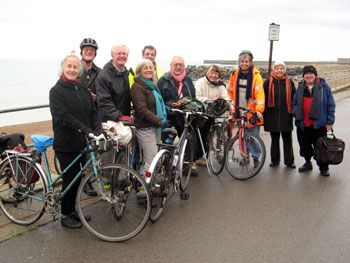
x: 244, y: 54
x: 63, y: 62
x: 140, y: 65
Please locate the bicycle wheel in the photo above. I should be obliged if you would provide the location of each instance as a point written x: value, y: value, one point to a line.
x: 185, y: 162
x: 216, y: 153
x: 22, y: 194
x: 57, y: 165
x: 245, y: 166
x: 117, y: 214
x: 159, y: 184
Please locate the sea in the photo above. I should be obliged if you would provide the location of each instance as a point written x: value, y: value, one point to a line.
x: 25, y: 83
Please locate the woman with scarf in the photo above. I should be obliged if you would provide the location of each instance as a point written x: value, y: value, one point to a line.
x: 246, y: 90
x: 74, y: 116
x: 278, y: 114
x: 313, y: 110
x: 150, y: 112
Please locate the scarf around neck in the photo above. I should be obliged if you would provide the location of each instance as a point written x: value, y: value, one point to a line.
x: 314, y: 109
x: 216, y: 83
x: 179, y: 80
x: 160, y: 106
x: 271, y: 97
x: 249, y: 91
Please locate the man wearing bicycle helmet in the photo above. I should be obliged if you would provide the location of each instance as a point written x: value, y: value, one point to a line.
x: 88, y: 52
x: 246, y: 90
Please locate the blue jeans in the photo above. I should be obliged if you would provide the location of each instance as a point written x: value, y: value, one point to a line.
x: 252, y: 146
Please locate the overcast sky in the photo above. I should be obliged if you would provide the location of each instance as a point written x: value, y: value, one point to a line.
x: 194, y: 29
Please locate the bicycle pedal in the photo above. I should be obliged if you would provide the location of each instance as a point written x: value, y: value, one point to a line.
x: 184, y: 196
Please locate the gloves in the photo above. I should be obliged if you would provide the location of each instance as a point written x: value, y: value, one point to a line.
x: 165, y: 124
x: 126, y: 118
x: 86, y: 130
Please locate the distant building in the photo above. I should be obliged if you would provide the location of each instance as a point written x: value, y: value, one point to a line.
x: 343, y: 60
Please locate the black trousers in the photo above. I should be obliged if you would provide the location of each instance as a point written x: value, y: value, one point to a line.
x: 68, y: 201
x: 307, y: 142
x: 287, y: 147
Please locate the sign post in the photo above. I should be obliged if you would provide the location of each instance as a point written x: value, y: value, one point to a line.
x: 274, y: 32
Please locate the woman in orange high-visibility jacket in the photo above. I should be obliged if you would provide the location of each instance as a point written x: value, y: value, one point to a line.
x: 246, y: 90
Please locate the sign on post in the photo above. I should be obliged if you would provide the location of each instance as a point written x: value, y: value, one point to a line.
x: 274, y: 32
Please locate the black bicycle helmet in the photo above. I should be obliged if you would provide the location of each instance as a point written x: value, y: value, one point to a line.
x: 247, y: 52
x: 219, y: 107
x: 88, y: 42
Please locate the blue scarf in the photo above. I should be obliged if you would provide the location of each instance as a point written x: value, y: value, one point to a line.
x: 160, y: 106
x: 248, y: 94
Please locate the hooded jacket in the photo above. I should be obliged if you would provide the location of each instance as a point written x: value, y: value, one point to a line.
x: 72, y: 110
x: 113, y: 93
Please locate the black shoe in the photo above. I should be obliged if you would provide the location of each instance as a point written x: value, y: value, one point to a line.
x: 194, y: 171
x: 307, y: 166
x: 274, y: 164
x: 70, y: 222
x: 76, y: 216
x: 141, y: 198
x: 89, y: 190
x: 292, y: 166
x: 324, y: 172
x: 256, y: 162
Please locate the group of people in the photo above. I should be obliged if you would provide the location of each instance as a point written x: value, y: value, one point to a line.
x: 85, y: 95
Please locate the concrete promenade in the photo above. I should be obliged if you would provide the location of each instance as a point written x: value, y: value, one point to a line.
x: 278, y: 216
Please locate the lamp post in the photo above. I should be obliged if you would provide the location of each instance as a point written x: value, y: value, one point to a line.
x: 274, y: 32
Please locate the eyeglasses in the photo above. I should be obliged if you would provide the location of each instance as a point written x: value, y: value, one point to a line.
x: 178, y: 65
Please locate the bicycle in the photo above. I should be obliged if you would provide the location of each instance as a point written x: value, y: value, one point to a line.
x: 27, y: 192
x: 172, y: 165
x: 219, y: 135
x: 245, y: 152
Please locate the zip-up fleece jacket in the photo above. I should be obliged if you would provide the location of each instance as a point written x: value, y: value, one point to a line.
x: 72, y: 109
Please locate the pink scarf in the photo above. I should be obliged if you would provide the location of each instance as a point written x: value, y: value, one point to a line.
x: 179, y: 80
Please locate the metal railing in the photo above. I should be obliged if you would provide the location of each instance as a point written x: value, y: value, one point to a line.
x: 25, y: 108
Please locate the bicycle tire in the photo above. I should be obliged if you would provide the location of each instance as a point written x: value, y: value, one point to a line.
x: 159, y: 185
x: 57, y: 165
x: 243, y: 167
x: 22, y: 196
x: 185, y: 163
x: 217, y: 150
x: 116, y: 212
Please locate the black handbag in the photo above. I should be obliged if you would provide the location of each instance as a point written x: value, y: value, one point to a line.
x: 329, y: 150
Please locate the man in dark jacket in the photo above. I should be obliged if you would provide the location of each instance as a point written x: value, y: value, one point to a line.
x: 313, y: 110
x: 88, y: 52
x: 112, y: 87
x: 173, y: 86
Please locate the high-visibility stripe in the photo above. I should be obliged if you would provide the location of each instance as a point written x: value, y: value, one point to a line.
x: 258, y: 87
x: 230, y: 89
x: 260, y: 102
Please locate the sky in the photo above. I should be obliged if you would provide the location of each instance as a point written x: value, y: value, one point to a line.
x: 193, y: 29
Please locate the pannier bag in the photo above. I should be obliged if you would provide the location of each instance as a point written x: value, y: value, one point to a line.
x: 329, y: 150
x: 120, y: 133
x: 11, y: 141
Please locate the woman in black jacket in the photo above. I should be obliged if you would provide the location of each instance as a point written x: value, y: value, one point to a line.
x: 73, y: 116
x: 278, y: 116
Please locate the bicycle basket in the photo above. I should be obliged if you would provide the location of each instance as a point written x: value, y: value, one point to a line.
x: 118, y: 132
x: 193, y: 105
